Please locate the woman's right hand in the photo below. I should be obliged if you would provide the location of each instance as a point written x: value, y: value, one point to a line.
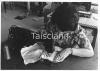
x: 57, y: 48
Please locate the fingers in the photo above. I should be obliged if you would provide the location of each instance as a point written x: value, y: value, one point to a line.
x: 57, y: 48
x: 63, y: 55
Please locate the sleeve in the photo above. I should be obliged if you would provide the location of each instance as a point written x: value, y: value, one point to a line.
x: 84, y: 42
x: 85, y: 48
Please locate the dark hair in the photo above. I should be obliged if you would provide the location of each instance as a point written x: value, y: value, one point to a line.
x: 65, y: 17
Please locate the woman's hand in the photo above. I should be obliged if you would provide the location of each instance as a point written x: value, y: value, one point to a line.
x: 63, y: 54
x: 56, y: 48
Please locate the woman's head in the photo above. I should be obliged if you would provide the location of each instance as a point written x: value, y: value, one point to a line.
x: 65, y: 17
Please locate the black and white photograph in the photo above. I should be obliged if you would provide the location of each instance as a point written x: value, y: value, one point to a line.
x: 43, y: 35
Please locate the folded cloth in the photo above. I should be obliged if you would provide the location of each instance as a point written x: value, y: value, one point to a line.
x: 31, y: 54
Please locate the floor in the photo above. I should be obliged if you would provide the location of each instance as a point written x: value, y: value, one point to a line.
x: 71, y: 63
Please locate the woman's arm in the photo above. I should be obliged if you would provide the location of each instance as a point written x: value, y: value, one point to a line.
x: 86, y: 51
x: 83, y: 52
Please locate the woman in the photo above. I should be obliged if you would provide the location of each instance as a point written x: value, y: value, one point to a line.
x: 65, y: 18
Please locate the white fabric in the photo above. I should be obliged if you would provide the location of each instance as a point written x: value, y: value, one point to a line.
x: 31, y: 54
